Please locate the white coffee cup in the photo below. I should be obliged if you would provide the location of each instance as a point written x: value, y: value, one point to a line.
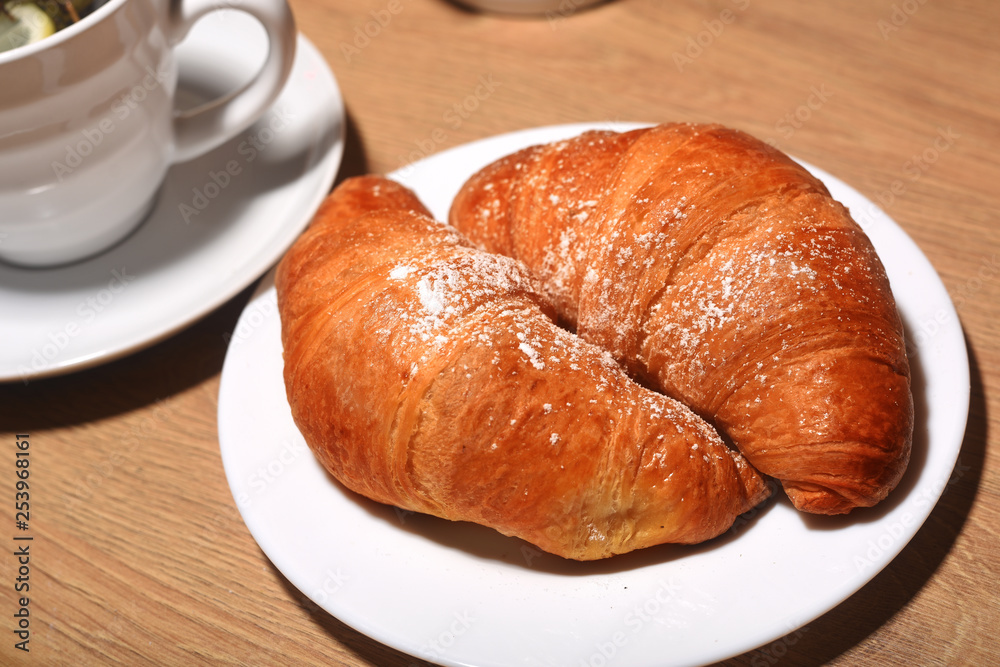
x: 88, y: 125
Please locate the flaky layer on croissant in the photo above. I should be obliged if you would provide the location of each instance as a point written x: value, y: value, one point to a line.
x: 722, y: 272
x: 430, y: 375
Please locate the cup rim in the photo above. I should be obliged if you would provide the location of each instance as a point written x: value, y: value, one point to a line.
x: 55, y: 40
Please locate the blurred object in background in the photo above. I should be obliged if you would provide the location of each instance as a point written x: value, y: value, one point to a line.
x: 529, y: 7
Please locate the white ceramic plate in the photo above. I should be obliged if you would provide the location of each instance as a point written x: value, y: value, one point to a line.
x: 460, y: 594
x: 183, y: 262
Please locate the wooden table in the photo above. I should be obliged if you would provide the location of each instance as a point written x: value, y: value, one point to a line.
x: 140, y: 555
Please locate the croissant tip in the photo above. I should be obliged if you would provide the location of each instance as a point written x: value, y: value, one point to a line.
x: 813, y: 499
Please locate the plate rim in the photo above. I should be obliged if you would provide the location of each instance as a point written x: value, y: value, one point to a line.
x: 265, y: 290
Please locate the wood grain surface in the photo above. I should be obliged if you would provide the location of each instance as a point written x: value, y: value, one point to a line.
x: 139, y: 554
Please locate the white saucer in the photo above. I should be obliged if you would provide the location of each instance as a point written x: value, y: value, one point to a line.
x: 184, y: 262
x: 460, y: 594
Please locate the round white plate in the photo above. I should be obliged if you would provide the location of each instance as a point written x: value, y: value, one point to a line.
x: 220, y: 221
x: 460, y: 594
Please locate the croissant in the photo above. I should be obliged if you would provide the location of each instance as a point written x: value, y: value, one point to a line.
x: 430, y: 375
x: 722, y: 273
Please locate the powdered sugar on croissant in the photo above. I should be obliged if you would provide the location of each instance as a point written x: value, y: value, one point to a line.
x: 719, y: 270
x: 430, y: 375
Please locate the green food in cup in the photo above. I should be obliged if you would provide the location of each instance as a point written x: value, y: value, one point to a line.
x: 25, y: 22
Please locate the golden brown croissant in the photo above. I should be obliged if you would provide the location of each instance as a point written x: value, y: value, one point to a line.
x: 430, y: 375
x: 722, y: 272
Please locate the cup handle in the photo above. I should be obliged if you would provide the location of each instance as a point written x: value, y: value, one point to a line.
x: 210, y: 125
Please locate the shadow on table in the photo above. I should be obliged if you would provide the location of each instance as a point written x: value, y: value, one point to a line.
x: 140, y: 380
x: 862, y: 614
x: 369, y: 650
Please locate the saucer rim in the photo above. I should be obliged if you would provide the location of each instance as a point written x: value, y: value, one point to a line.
x: 325, y: 166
